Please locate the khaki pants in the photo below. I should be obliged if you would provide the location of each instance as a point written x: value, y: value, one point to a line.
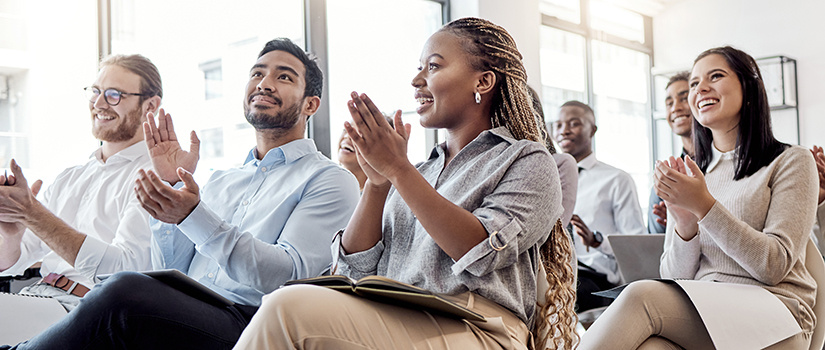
x: 656, y: 315
x: 312, y: 317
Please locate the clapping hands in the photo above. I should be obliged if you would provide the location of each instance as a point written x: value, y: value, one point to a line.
x: 381, y: 149
x: 681, y: 184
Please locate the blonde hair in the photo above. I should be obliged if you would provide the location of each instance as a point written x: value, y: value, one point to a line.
x: 150, y: 83
x: 493, y: 49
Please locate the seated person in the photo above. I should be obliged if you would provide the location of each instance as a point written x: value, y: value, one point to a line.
x: 742, y: 213
x: 606, y: 204
x: 568, y: 171
x: 347, y: 158
x: 89, y: 221
x: 468, y: 222
x: 249, y: 231
x: 680, y: 120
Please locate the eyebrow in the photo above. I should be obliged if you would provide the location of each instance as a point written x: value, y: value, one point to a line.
x: 104, y: 89
x: 434, y: 55
x: 682, y: 93
x: 279, y: 68
x: 717, y: 70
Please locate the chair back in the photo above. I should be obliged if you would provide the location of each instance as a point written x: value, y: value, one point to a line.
x: 816, y: 267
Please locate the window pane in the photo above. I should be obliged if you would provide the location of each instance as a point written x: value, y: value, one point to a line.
x: 563, y: 76
x: 617, y: 21
x: 359, y: 43
x: 567, y: 10
x: 620, y: 85
x: 205, y: 63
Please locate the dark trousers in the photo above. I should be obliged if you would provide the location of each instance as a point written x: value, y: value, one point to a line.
x: 591, y: 281
x: 133, y: 311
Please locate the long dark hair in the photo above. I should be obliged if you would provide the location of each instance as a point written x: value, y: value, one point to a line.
x: 756, y: 146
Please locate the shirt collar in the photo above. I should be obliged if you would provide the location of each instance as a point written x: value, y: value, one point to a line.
x: 127, y: 154
x: 289, y: 153
x: 500, y: 132
x: 717, y: 156
x: 588, y: 162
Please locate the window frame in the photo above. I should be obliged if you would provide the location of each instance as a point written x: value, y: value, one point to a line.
x: 319, y: 128
x: 584, y: 29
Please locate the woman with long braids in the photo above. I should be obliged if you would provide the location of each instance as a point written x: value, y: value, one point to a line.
x: 742, y: 213
x: 473, y: 222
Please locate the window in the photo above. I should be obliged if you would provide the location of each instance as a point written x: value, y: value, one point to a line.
x: 614, y: 20
x: 204, y: 54
x: 360, y: 63
x: 602, y: 58
x: 212, y: 79
x: 563, y: 69
x: 566, y: 10
x: 197, y: 60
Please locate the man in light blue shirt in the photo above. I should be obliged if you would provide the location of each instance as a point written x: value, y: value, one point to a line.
x: 250, y: 230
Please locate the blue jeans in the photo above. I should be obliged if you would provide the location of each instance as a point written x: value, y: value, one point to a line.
x: 134, y: 311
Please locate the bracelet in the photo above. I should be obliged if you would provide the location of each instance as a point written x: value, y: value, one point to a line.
x: 490, y: 240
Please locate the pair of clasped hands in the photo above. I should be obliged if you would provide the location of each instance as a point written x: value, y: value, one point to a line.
x: 381, y: 149
x: 16, y: 200
x: 681, y: 184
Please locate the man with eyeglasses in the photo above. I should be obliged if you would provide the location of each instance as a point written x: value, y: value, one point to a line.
x: 246, y: 232
x: 88, y: 222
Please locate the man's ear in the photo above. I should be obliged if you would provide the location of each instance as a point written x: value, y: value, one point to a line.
x: 151, y: 104
x: 486, y: 82
x: 594, y: 130
x: 311, y: 105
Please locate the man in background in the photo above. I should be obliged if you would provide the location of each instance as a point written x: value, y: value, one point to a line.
x: 680, y: 120
x: 89, y: 221
x: 606, y: 203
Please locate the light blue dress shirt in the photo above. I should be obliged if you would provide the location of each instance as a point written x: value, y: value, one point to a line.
x: 262, y: 224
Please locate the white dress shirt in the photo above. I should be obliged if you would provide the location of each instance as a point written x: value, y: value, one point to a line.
x: 607, y: 202
x: 98, y: 200
x: 262, y: 224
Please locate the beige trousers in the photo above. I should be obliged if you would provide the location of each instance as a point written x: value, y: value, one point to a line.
x: 656, y: 315
x: 312, y: 317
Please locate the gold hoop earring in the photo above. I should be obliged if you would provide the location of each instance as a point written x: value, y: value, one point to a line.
x: 478, y: 98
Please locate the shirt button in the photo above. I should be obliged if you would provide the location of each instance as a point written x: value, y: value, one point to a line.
x: 168, y: 232
x: 263, y: 169
x: 245, y: 203
x: 211, y: 275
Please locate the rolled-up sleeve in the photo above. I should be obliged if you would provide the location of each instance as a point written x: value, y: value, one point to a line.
x: 530, y: 185
x: 129, y: 250
x: 358, y: 264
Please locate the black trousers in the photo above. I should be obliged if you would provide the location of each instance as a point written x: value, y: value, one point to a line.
x: 134, y: 311
x: 591, y: 281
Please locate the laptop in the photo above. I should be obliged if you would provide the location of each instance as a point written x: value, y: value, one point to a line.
x: 637, y: 255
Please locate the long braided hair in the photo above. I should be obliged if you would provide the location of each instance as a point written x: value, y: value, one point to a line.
x: 495, y: 50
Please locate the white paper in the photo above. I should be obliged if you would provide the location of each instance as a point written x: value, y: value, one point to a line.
x: 740, y: 316
x: 22, y: 317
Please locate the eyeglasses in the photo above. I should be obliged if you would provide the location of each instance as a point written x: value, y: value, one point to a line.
x: 111, y: 96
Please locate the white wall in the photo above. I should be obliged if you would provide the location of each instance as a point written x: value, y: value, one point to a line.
x: 759, y: 27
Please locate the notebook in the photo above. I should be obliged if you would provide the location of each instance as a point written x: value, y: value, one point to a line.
x: 637, y: 255
x: 25, y: 316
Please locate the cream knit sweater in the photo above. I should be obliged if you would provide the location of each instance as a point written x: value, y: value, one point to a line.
x: 757, y: 231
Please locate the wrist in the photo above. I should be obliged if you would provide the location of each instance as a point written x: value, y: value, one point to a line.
x: 598, y: 238
x: 372, y: 187
x: 36, y: 211
x: 704, y: 207
x: 401, y: 170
